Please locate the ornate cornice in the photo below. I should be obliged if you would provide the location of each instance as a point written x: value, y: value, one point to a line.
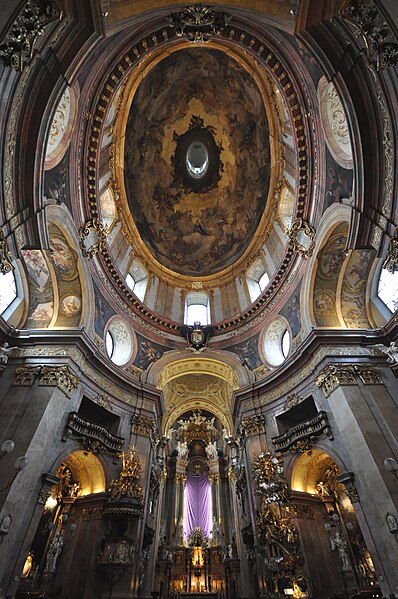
x: 59, y: 376
x: 335, y: 375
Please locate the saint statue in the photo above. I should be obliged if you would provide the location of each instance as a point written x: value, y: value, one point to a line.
x: 339, y: 543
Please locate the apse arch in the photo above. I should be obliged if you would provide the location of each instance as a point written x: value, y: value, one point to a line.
x: 225, y: 363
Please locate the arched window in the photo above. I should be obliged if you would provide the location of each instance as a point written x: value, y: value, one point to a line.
x: 388, y: 289
x: 137, y: 280
x: 8, y: 290
x: 257, y: 279
x: 197, y: 308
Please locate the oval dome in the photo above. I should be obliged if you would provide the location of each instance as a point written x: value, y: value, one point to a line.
x: 197, y: 161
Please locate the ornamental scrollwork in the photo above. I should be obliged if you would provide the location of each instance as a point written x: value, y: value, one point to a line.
x: 198, y: 23
x: 16, y: 48
x: 5, y: 255
x: 59, y: 376
x: 292, y: 400
x: 25, y: 375
x: 302, y: 235
x: 380, y: 42
x: 93, y: 237
x: 333, y: 376
x: 369, y: 375
x: 391, y: 261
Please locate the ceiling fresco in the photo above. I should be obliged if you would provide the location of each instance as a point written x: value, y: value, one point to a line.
x: 197, y: 226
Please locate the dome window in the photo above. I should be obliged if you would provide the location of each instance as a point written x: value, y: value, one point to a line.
x: 137, y: 280
x: 197, y: 159
x: 388, y: 289
x: 197, y: 309
x: 8, y: 290
x: 257, y: 279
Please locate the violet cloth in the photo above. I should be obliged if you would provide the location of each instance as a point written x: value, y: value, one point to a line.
x: 197, y: 506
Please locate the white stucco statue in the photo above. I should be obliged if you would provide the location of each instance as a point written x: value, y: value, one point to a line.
x: 338, y: 543
x: 53, y: 552
x: 391, y: 352
x: 182, y: 449
x: 211, y: 450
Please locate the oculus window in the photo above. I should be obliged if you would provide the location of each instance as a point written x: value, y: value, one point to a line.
x: 197, y: 309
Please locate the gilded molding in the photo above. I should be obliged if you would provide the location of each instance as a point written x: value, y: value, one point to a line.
x: 214, y: 479
x: 292, y: 400
x: 59, y: 376
x: 16, y: 48
x: 5, y: 255
x: 25, y: 375
x: 254, y: 425
x: 93, y: 237
x: 369, y: 375
x: 391, y: 261
x: 181, y: 479
x: 380, y: 41
x: 333, y: 376
x: 198, y: 23
x: 300, y: 226
x: 347, y: 479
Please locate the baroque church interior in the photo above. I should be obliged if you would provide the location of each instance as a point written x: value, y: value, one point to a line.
x: 198, y: 298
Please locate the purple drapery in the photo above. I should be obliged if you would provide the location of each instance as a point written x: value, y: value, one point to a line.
x: 197, y: 506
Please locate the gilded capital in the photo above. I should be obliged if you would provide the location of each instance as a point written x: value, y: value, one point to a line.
x: 335, y: 375
x: 25, y: 375
x: 181, y: 479
x: 369, y: 375
x: 59, y: 376
x: 214, y: 479
x: 253, y: 425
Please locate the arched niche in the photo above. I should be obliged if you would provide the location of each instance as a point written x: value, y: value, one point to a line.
x: 309, y: 469
x: 86, y: 470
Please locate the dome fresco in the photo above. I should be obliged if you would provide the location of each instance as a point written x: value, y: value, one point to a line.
x: 197, y: 98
